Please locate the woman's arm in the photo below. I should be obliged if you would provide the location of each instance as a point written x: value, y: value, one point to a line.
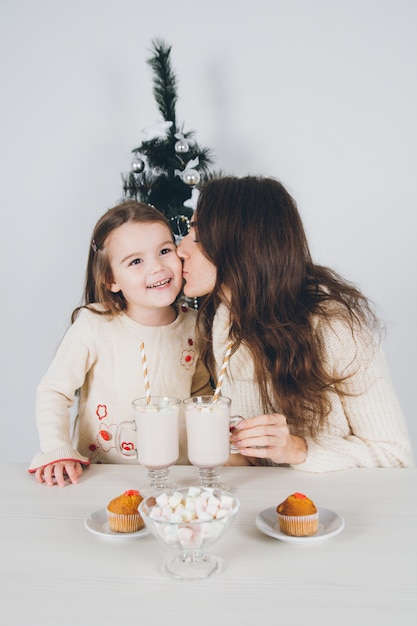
x: 366, y: 427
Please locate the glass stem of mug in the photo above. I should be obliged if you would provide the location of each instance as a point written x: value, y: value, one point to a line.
x: 210, y: 476
x: 159, y: 478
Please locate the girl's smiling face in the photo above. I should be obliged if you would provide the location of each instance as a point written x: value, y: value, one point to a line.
x: 145, y: 266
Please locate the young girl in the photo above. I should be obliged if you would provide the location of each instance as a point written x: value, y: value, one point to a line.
x: 306, y: 369
x: 132, y: 281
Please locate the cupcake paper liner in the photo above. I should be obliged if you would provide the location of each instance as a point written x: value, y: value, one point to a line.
x: 124, y: 523
x: 299, y: 525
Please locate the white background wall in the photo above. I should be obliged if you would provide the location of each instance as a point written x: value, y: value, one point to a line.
x: 321, y: 94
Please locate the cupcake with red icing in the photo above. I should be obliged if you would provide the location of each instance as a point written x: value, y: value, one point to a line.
x: 298, y: 516
x: 123, y: 514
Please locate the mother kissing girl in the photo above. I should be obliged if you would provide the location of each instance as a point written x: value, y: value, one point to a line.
x: 307, y: 371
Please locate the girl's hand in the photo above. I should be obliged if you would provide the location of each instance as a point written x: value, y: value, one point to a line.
x: 58, y: 473
x: 268, y: 437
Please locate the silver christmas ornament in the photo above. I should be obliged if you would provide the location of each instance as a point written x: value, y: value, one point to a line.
x: 137, y: 166
x: 191, y: 177
x: 181, y: 146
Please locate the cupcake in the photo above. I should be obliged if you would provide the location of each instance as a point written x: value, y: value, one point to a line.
x: 298, y: 516
x: 123, y: 514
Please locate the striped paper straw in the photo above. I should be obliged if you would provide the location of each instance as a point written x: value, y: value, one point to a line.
x: 145, y: 373
x: 222, y: 371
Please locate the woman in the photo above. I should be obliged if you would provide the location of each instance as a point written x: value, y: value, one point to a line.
x: 306, y: 371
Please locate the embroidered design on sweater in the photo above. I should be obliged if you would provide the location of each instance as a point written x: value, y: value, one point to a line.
x: 101, y: 411
x: 187, y: 358
x: 105, y: 438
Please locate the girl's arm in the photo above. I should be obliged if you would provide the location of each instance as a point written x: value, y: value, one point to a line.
x: 55, y: 397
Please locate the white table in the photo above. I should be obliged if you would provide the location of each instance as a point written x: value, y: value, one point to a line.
x: 56, y: 573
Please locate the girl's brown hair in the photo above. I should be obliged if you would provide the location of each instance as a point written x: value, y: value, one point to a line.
x: 98, y: 273
x: 251, y: 230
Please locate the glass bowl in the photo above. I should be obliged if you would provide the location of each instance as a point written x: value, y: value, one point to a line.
x: 189, y: 520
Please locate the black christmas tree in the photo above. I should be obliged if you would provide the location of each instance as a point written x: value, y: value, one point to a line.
x: 168, y: 167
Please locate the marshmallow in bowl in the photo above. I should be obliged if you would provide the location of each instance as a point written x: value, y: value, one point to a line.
x: 197, y: 504
x: 191, y: 517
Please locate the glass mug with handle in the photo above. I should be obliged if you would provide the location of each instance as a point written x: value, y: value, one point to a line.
x: 156, y: 424
x: 209, y: 425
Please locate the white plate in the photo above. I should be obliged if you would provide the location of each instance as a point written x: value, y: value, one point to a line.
x: 97, y: 524
x: 330, y: 524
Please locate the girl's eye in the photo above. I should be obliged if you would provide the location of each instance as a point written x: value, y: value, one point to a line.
x: 135, y: 262
x: 166, y: 250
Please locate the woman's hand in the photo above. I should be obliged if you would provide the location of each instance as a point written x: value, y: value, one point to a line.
x: 58, y: 473
x: 268, y: 437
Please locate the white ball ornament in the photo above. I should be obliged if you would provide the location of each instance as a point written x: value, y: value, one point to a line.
x: 181, y: 146
x: 191, y: 177
x: 137, y: 166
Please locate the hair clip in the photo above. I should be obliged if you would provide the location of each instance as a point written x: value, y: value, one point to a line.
x: 94, y: 245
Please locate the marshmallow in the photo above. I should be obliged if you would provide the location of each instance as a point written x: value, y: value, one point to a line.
x: 155, y: 513
x: 175, y: 499
x: 162, y: 500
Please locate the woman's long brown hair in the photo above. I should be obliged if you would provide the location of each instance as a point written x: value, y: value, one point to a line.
x: 251, y: 230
